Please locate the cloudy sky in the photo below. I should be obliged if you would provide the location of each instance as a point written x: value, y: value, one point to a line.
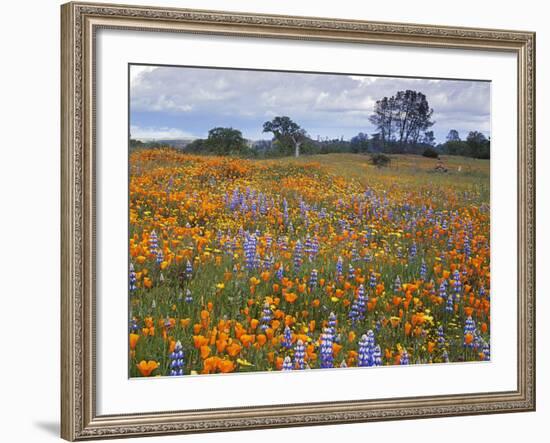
x: 180, y: 102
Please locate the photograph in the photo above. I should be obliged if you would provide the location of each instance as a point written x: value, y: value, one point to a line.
x: 289, y: 221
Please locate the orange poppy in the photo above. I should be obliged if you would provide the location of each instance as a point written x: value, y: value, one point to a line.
x: 233, y: 349
x: 205, y: 351
x: 133, y: 341
x: 290, y: 297
x: 147, y: 367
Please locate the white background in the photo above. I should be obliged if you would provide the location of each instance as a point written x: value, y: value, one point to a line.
x: 29, y: 217
x: 118, y: 394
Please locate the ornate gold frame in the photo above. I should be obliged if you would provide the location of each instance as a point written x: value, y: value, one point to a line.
x: 80, y: 21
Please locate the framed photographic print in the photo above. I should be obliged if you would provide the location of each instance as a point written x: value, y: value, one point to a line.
x: 281, y: 221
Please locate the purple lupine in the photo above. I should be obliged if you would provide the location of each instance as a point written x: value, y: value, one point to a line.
x: 457, y: 284
x: 478, y: 340
x: 372, y: 280
x: 280, y: 272
x: 297, y: 255
x: 287, y: 364
x: 467, y: 248
x: 362, y: 353
x: 188, y: 296
x: 283, y: 243
x: 377, y: 356
x: 351, y: 272
x: 315, y: 246
x: 449, y: 305
x: 469, y: 329
x: 160, y: 256
x: 358, y: 307
x: 367, y: 258
x: 299, y: 355
x: 366, y: 239
x: 404, y: 359
x: 250, y: 251
x: 423, y: 270
x: 132, y: 278
x: 397, y: 285
x: 332, y: 322
x: 326, y: 351
x: 412, y: 251
x: 339, y: 266
x: 188, y: 270
x: 367, y: 353
x: 267, y: 262
x: 177, y: 360
x: 486, y: 350
x: 285, y: 209
x: 230, y: 246
x: 308, y: 247
x: 313, y: 279
x: 153, y: 242
x: 440, y: 336
x: 286, y: 342
x: 450, y: 242
x: 267, y: 316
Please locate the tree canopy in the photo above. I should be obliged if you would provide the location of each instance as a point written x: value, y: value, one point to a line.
x: 476, y: 145
x: 288, y: 134
x: 402, y: 118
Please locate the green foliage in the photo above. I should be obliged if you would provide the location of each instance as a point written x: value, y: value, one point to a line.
x: 138, y: 144
x: 380, y: 160
x: 226, y: 141
x: 359, y: 143
x: 476, y: 146
x: 288, y: 135
x: 430, y: 153
x: 403, y: 117
x: 453, y: 136
x: 221, y: 141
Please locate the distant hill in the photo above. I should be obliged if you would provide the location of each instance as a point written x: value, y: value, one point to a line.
x: 179, y: 143
x: 175, y: 143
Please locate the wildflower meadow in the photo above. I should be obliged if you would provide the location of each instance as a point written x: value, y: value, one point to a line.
x: 314, y: 262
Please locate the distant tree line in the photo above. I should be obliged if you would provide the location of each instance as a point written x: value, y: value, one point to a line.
x: 402, y: 122
x: 148, y: 145
x: 476, y: 145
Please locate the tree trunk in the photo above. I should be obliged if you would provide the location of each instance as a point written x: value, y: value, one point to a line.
x: 297, y: 149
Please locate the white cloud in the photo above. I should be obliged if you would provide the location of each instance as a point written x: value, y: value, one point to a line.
x: 228, y: 97
x: 162, y: 133
x: 137, y: 71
